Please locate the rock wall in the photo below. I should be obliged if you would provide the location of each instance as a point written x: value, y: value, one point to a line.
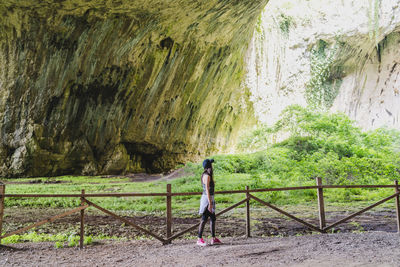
x: 90, y: 87
x: 332, y: 55
x: 371, y: 94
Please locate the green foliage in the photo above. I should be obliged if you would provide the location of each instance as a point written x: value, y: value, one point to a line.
x: 61, y: 239
x: 256, y: 139
x: 357, y: 225
x: 317, y: 144
x: 329, y: 146
x: 285, y: 22
x: 73, y: 241
x: 259, y: 28
x: 34, y: 237
x: 325, y: 81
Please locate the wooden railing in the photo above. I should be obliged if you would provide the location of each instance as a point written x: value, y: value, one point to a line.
x: 85, y: 203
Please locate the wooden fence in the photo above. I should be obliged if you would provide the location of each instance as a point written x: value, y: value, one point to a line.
x: 85, y: 203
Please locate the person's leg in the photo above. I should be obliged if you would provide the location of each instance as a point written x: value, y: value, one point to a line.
x: 203, y: 222
x: 212, y: 224
x: 214, y: 240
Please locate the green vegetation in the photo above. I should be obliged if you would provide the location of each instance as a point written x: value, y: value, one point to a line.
x: 285, y: 22
x: 359, y: 228
x: 259, y: 27
x: 324, y: 145
x: 62, y: 239
x: 317, y: 144
x: 325, y: 81
x: 154, y: 205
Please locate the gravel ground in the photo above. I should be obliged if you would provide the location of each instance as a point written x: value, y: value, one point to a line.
x: 341, y: 249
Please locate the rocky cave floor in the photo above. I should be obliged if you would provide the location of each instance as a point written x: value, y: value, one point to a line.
x: 340, y: 249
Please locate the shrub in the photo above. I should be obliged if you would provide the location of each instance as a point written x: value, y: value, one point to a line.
x: 325, y: 145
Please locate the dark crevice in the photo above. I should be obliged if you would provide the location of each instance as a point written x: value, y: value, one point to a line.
x: 151, y: 158
x: 148, y: 154
x: 394, y: 66
x: 167, y: 43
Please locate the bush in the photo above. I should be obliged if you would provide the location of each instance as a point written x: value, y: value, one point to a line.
x: 324, y: 145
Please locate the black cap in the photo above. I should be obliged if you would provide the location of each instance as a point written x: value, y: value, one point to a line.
x: 207, y: 163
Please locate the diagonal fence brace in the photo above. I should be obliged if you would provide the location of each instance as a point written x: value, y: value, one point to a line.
x: 359, y: 212
x: 287, y: 214
x: 48, y: 220
x: 197, y: 224
x: 126, y: 221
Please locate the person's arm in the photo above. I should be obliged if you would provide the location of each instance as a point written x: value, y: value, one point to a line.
x: 207, y: 183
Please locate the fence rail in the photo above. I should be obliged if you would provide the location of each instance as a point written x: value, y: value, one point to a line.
x: 85, y: 203
x: 199, y: 193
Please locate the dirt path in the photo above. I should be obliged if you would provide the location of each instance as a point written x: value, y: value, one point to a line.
x: 342, y: 249
x: 134, y: 178
x: 145, y: 177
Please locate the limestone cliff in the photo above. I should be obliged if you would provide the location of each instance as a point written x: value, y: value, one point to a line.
x: 90, y: 86
x: 334, y: 55
x: 103, y: 86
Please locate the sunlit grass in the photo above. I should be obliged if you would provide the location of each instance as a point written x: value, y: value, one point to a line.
x: 61, y: 239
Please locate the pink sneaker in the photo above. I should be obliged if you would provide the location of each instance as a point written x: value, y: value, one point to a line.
x: 201, y: 242
x: 215, y: 241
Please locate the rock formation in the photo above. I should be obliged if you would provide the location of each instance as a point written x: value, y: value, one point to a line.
x: 95, y: 87
x: 333, y: 55
x: 91, y: 87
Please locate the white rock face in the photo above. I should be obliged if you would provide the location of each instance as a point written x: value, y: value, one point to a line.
x: 362, y: 38
x: 371, y: 94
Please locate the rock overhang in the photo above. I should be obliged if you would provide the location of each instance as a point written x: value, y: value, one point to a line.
x: 120, y: 86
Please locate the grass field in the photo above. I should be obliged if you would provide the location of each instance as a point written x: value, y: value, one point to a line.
x: 181, y: 204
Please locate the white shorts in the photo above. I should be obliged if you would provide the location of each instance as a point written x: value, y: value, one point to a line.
x: 204, y: 204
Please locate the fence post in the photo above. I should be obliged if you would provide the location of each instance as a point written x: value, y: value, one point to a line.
x: 2, y: 192
x: 247, y: 213
x: 321, y: 207
x: 396, y: 183
x: 82, y: 220
x: 169, y: 213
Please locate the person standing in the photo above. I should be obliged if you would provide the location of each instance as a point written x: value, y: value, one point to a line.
x: 207, y: 204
